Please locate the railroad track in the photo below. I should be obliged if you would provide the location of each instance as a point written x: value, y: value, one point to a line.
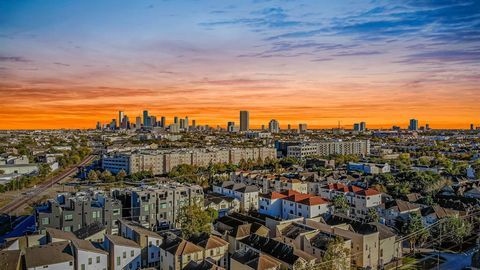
x: 24, y: 199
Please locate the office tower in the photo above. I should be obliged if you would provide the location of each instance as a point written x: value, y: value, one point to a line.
x: 138, y: 122
x: 471, y: 127
x: 99, y: 126
x: 274, y: 126
x: 289, y: 127
x: 182, y: 123
x: 263, y: 127
x: 175, y: 120
x: 125, y: 122
x: 186, y: 123
x: 396, y: 128
x: 427, y: 126
x: 153, y: 121
x: 244, y: 120
x: 145, y: 118
x: 163, y: 122
x: 356, y: 127
x: 413, y: 124
x: 194, y: 124
x: 231, y: 126
x: 121, y: 115
x: 363, y: 126
x: 113, y: 124
x: 173, y: 128
x: 302, y: 127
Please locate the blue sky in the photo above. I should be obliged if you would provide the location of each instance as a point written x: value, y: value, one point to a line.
x: 416, y: 54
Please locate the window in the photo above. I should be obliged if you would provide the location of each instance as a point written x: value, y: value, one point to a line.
x: 116, y: 212
x: 82, y: 266
x: 68, y: 217
x: 152, y: 255
x: 45, y: 221
x: 124, y: 254
x: 98, y: 259
x: 67, y: 229
x: 118, y: 260
x: 145, y: 207
x: 131, y: 253
x: 89, y: 261
x: 94, y: 214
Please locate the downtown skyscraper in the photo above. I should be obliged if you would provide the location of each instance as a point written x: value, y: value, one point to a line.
x: 244, y: 120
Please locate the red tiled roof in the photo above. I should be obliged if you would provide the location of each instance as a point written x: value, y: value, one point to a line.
x: 273, y: 195
x: 315, y: 200
x: 298, y: 197
x: 335, y: 186
x: 368, y: 192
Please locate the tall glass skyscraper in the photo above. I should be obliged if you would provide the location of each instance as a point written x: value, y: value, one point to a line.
x: 244, y: 120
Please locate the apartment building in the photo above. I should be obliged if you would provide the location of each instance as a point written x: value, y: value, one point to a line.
x: 163, y: 161
x: 369, y: 168
x: 56, y: 256
x: 157, y: 206
x: 306, y: 149
x: 269, y: 182
x: 72, y: 211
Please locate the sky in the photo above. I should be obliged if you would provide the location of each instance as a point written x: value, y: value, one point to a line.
x: 69, y: 64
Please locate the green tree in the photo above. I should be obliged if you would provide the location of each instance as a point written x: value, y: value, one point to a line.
x: 193, y: 219
x: 372, y: 215
x: 337, y: 256
x: 2, y: 171
x: 453, y: 229
x: 340, y: 204
x: 415, y: 230
x: 92, y: 175
x: 121, y: 175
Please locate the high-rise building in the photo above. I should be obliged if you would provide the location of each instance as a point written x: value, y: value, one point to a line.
x: 163, y: 122
x: 145, y: 118
x: 356, y: 126
x: 363, y: 126
x: 99, y: 125
x: 194, y: 124
x: 186, y: 123
x: 302, y: 127
x: 427, y: 126
x: 138, y: 122
x: 113, y: 124
x: 274, y: 126
x: 121, y: 115
x: 125, y: 122
x: 175, y: 120
x: 153, y: 121
x: 472, y: 127
x: 244, y: 120
x: 182, y: 123
x: 231, y: 126
x: 413, y: 124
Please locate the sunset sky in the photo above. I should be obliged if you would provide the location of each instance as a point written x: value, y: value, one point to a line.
x: 69, y: 64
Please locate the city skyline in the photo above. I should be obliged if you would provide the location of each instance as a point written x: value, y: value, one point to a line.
x: 294, y: 61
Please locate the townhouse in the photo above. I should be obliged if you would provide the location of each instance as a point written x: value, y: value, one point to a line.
x: 292, y: 204
x: 123, y: 253
x: 360, y: 200
x: 246, y: 194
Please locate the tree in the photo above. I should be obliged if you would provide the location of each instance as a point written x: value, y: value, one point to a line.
x: 372, y: 215
x: 44, y: 169
x: 2, y: 171
x: 337, y: 256
x: 416, y: 231
x: 92, y: 175
x: 107, y: 176
x: 193, y: 219
x: 340, y: 204
x: 121, y: 175
x: 453, y: 229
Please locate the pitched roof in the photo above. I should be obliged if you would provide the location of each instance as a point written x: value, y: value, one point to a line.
x: 273, y: 195
x: 120, y: 241
x: 203, y: 265
x: 52, y: 253
x: 207, y: 241
x: 179, y: 246
x: 367, y: 192
x: 255, y: 260
x: 87, y: 246
x: 10, y: 259
x: 315, y: 200
x: 59, y: 234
